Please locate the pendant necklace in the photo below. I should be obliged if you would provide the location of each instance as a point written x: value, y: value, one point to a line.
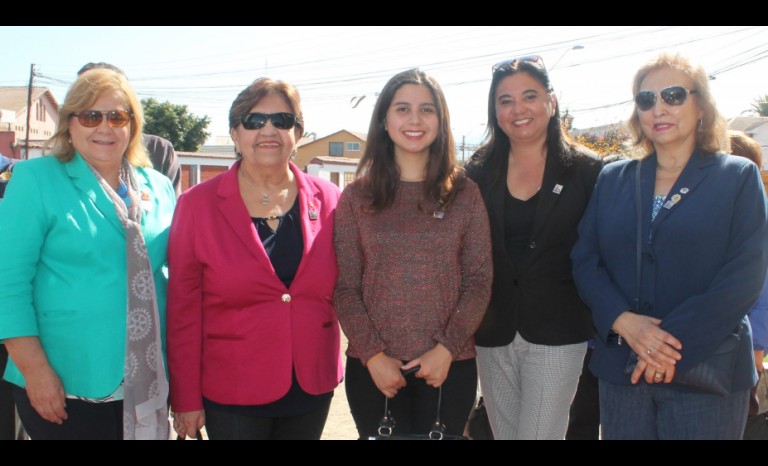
x: 264, y: 196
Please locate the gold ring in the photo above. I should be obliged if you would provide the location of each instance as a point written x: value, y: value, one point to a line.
x: 658, y: 375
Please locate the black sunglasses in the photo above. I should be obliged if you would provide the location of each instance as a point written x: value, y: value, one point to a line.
x: 674, y: 95
x: 282, y: 120
x: 532, y: 59
x: 93, y: 118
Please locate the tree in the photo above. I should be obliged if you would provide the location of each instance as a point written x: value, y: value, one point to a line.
x: 186, y: 131
x: 612, y: 142
x: 761, y: 105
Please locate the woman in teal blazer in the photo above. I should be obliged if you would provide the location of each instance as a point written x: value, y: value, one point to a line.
x: 79, y: 223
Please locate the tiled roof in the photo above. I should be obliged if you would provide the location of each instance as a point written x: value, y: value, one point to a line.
x: 15, y: 97
x: 746, y: 123
x: 207, y: 155
x: 335, y: 160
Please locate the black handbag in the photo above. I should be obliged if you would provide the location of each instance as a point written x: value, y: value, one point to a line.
x: 713, y: 375
x: 478, y: 425
x: 198, y: 436
x: 387, y: 426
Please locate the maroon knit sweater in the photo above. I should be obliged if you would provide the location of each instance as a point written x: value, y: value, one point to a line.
x: 408, y: 280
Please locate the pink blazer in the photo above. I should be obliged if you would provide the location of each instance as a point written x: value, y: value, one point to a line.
x: 234, y: 330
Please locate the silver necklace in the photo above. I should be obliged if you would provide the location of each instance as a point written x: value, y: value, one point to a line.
x: 264, y: 196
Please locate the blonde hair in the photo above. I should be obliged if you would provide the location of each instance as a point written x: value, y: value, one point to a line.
x: 711, y: 135
x: 744, y: 146
x: 84, y: 92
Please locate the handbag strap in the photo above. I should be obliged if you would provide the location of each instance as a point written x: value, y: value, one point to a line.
x: 639, y: 210
x: 387, y: 422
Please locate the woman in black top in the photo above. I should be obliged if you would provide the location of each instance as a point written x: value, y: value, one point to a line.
x: 536, y: 184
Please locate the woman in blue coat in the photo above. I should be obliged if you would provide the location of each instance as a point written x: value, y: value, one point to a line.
x: 703, y: 253
x: 83, y: 301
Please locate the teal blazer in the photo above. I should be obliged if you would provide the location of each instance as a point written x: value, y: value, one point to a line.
x: 64, y: 265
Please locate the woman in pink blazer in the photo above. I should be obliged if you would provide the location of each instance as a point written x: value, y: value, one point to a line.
x: 253, y: 338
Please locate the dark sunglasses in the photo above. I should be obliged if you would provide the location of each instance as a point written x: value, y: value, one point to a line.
x: 532, y: 59
x: 674, y: 95
x: 93, y: 118
x: 282, y: 120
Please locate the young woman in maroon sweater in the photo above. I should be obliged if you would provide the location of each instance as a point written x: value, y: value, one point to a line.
x: 414, y: 254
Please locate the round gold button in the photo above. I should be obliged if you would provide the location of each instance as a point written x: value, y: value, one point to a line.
x: 286, y: 298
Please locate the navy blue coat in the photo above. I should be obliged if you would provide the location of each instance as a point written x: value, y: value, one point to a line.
x: 703, y: 258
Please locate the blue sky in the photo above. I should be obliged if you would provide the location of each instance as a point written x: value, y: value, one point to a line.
x: 333, y: 67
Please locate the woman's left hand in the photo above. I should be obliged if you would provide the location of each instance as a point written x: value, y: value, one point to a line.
x: 652, y: 374
x: 435, y: 365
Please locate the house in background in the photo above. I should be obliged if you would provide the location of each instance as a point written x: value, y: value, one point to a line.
x: 197, y: 167
x: 338, y: 170
x: 757, y: 128
x: 13, y: 120
x: 333, y: 157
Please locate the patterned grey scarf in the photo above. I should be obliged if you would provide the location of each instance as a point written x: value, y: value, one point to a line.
x: 145, y: 405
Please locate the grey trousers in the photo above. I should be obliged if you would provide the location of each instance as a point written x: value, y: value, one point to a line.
x: 528, y: 388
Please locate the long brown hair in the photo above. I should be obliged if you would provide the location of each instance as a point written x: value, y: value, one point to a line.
x: 378, y: 172
x: 494, y: 151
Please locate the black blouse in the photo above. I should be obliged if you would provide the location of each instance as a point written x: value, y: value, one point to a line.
x: 518, y: 223
x: 285, y: 245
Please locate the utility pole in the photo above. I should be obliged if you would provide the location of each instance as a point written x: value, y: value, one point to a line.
x: 29, y: 108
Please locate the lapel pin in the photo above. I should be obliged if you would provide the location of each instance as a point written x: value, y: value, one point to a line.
x: 672, y: 201
x: 684, y: 190
x: 312, y: 212
x: 557, y: 189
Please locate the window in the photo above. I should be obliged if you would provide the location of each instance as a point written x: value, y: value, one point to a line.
x: 348, y: 178
x: 335, y: 178
x: 352, y: 147
x: 336, y: 149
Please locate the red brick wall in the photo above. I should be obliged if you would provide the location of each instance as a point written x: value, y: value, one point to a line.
x: 6, y: 139
x: 186, y: 178
x: 207, y: 172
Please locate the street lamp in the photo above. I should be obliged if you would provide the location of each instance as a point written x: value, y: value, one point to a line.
x: 575, y: 47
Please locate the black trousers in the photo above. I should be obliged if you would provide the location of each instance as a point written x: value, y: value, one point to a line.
x: 7, y: 408
x: 584, y: 419
x: 413, y: 408
x: 86, y: 421
x: 227, y: 425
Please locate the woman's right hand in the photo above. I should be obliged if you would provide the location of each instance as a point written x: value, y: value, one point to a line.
x: 46, y: 393
x: 188, y: 423
x: 385, y: 372
x: 657, y: 347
